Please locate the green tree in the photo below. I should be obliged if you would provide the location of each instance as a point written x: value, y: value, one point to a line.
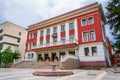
x: 113, y: 19
x: 16, y: 55
x: 7, y: 56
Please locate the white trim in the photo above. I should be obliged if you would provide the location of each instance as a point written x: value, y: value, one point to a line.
x: 88, y: 20
x: 94, y: 35
x: 87, y: 36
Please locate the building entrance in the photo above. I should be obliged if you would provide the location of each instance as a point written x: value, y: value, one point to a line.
x: 53, y: 56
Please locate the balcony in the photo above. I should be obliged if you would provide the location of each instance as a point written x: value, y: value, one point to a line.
x: 58, y: 44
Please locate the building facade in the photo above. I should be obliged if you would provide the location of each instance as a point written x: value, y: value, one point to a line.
x: 79, y: 34
x: 14, y: 36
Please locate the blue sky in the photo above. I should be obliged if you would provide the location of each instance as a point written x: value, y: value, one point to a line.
x: 28, y: 12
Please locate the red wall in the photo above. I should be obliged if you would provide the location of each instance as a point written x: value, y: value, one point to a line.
x: 96, y: 27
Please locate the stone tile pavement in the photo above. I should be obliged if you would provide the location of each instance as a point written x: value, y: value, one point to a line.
x: 111, y: 75
x: 26, y: 74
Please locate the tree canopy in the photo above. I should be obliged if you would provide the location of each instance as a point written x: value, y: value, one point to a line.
x: 113, y: 19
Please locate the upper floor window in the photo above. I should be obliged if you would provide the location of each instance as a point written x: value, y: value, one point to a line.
x: 71, y: 25
x: 47, y: 42
x: 41, y: 43
x: 55, y: 30
x: 18, y: 40
x: 71, y: 38
x: 90, y: 20
x: 1, y: 30
x: 1, y: 38
x: 19, y: 33
x: 92, y: 35
x: 84, y: 22
x: 54, y: 39
x: 62, y: 27
x: 85, y: 36
x: 48, y: 31
x: 86, y: 50
x: 63, y: 39
x: 41, y: 33
x: 94, y: 51
x: 32, y: 35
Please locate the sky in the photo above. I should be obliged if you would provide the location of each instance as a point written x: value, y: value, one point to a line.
x: 28, y: 12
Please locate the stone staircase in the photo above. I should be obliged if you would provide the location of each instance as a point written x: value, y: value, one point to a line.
x: 35, y: 65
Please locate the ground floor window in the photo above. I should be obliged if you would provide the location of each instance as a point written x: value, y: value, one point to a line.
x: 86, y: 50
x: 72, y: 52
x: 94, y: 51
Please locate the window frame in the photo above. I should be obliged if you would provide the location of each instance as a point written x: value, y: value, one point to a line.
x: 42, y: 31
x: 93, y: 54
x: 82, y: 21
x: 48, y: 33
x: 90, y: 35
x: 88, y: 54
x: 63, y: 25
x: 92, y: 21
x: 83, y: 36
x: 55, y: 29
x: 73, y: 25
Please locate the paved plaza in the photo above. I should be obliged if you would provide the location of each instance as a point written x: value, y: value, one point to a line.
x: 26, y: 74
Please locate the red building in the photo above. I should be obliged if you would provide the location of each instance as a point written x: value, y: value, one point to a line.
x: 77, y: 37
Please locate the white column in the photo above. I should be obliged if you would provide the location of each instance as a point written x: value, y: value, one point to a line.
x: 58, y: 34
x: 44, y: 38
x: 38, y: 37
x: 67, y: 32
x: 51, y: 33
x: 76, y: 29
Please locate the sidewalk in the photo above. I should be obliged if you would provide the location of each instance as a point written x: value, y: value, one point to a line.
x: 111, y: 75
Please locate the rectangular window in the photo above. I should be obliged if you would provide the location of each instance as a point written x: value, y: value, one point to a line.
x: 90, y: 20
x: 92, y: 35
x: 85, y: 36
x: 72, y: 52
x: 86, y: 50
x: 71, y: 38
x: 71, y: 25
x: 1, y: 30
x: 47, y: 42
x: 55, y: 30
x: 54, y: 41
x: 1, y: 38
x: 41, y: 33
x: 48, y: 31
x: 19, y: 33
x: 63, y: 39
x: 18, y: 40
x: 41, y: 43
x: 62, y: 28
x: 84, y: 22
x: 94, y: 51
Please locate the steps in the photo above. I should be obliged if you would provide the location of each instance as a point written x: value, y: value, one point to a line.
x: 35, y: 65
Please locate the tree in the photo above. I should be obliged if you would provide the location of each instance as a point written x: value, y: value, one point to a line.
x: 16, y: 55
x: 7, y: 56
x: 113, y: 19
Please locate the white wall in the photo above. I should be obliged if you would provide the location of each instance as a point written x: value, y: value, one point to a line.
x: 13, y: 47
x: 100, y: 52
x: 10, y: 40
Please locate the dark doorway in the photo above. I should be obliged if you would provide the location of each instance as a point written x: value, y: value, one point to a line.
x: 40, y: 57
x: 53, y: 56
x: 45, y: 56
x: 61, y: 54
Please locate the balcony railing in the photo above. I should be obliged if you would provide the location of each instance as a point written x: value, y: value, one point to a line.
x: 56, y: 43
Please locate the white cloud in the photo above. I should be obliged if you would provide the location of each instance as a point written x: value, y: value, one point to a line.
x: 28, y: 12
